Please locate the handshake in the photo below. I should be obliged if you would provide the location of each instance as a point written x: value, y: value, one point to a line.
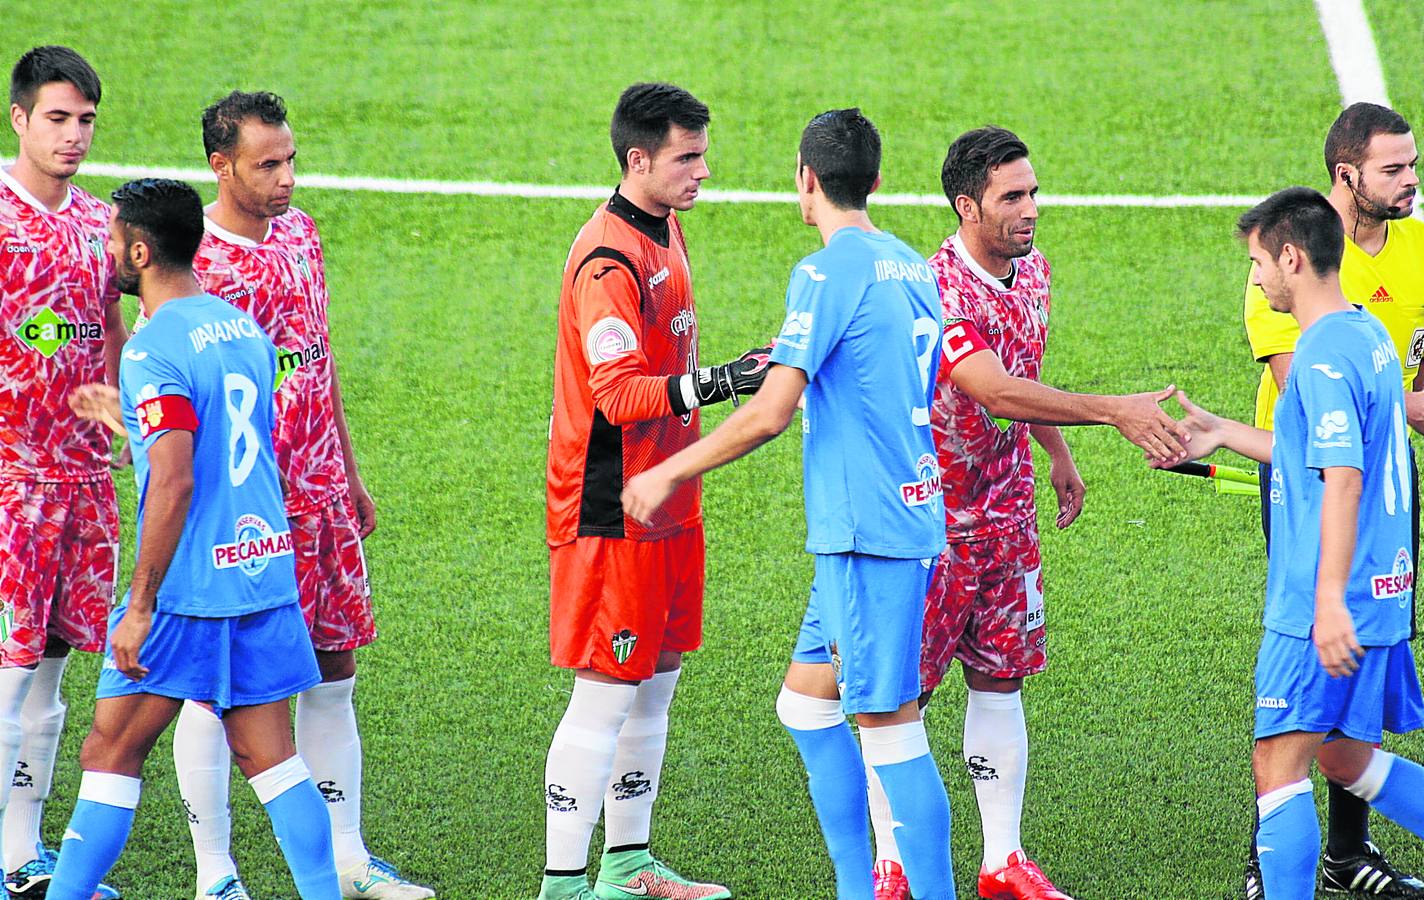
x: 741, y: 376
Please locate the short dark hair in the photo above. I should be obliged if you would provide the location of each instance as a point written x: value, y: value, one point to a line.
x: 170, y: 215
x: 1348, y: 140
x: 1301, y: 217
x: 646, y: 113
x: 46, y: 65
x: 971, y: 158
x: 222, y: 122
x: 843, y: 148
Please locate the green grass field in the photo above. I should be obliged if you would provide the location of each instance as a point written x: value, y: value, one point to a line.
x: 443, y: 312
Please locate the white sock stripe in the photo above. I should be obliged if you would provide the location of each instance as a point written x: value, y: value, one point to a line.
x: 806, y: 713
x: 893, y: 744
x: 1371, y: 781
x: 996, y: 700
x: 110, y: 789
x: 279, y: 779
x: 1274, y: 800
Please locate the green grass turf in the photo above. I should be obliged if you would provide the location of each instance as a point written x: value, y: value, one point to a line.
x: 443, y: 317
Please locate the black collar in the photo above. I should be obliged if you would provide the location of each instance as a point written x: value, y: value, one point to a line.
x: 655, y: 227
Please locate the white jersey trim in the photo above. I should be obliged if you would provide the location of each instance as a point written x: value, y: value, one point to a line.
x: 229, y: 237
x: 31, y: 199
x: 995, y: 284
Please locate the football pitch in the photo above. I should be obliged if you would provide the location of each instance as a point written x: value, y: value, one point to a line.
x: 443, y: 314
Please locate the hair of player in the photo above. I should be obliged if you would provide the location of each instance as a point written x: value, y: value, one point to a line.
x: 1301, y: 217
x: 972, y: 156
x: 1348, y: 140
x: 46, y: 65
x: 169, y: 213
x: 646, y: 113
x: 222, y: 122
x: 843, y: 148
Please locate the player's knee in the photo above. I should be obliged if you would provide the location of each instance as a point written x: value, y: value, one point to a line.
x: 337, y: 666
x: 1343, y: 764
x: 103, y: 752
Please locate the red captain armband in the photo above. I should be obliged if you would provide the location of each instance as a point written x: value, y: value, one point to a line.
x: 961, y: 341
x: 171, y: 411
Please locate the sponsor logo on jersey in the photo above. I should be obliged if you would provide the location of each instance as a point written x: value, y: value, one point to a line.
x: 136, y: 355
x: 256, y: 545
x: 795, y: 329
x: 810, y: 270
x: 928, y: 487
x: 1324, y: 369
x: 304, y: 266
x: 1272, y: 703
x: 1381, y: 296
x: 623, y: 643
x: 1331, y: 430
x: 240, y: 293
x: 1398, y: 583
x: 96, y: 247
x: 47, y: 332
x: 609, y: 339
x: 683, y: 322
x: 1383, y: 355
x: 15, y: 247
x: 898, y: 270
x: 659, y: 277
x: 225, y: 330
x: 288, y: 361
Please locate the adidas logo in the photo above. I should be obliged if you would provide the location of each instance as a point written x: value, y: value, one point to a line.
x: 1381, y: 296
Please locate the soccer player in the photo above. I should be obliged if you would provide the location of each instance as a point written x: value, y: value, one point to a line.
x: 212, y: 613
x: 59, y: 520
x: 861, y: 340
x: 265, y: 257
x: 626, y: 596
x: 1370, y: 155
x: 1335, y: 667
x: 985, y: 605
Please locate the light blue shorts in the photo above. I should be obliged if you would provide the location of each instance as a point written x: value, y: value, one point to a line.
x: 865, y: 618
x: 1295, y: 693
x: 240, y: 661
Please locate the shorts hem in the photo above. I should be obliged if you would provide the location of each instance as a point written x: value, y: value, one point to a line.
x: 595, y: 666
x: 1003, y: 674
x: 855, y: 706
x: 343, y: 646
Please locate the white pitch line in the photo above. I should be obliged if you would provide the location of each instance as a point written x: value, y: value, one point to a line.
x: 1353, y: 53
x: 601, y: 192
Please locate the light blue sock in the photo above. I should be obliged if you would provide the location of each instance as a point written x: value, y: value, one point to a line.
x: 918, y: 803
x: 1395, y: 787
x: 837, y: 783
x: 1288, y: 842
x: 96, y: 835
x: 303, y: 829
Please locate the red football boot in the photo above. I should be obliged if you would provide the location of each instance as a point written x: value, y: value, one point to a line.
x: 890, y: 881
x: 1021, y: 879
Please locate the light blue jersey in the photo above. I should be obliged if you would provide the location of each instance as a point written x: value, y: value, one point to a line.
x: 235, y: 553
x: 1342, y: 406
x: 863, y: 323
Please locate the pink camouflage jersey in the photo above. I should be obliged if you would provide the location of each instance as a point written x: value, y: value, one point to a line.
x: 281, y: 283
x: 986, y: 464
x: 56, y: 284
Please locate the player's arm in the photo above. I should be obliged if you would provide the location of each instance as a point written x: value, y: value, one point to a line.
x: 360, y: 498
x: 1414, y: 402
x: 1280, y: 364
x: 1210, y: 432
x: 1062, y: 472
x: 624, y: 389
x: 978, y: 372
x: 170, y: 488
x: 1334, y: 631
x: 116, y: 334
x: 754, y: 423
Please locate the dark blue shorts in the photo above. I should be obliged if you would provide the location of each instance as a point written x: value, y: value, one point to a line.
x: 240, y: 661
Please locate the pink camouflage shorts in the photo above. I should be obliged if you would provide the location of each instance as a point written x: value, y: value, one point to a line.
x: 59, y: 562
x: 985, y: 608
x: 331, y: 577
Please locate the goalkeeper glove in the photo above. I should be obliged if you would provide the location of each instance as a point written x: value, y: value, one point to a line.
x: 713, y: 384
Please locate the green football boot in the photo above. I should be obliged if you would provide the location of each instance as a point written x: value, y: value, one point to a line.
x: 635, y: 873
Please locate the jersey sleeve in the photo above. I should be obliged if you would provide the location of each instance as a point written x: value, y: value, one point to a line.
x: 1269, y: 332
x: 962, y: 338
x: 1332, y: 396
x: 608, y: 308
x: 158, y: 394
x: 815, y: 321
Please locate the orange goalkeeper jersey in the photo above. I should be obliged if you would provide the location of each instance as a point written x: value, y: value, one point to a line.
x: 627, y: 332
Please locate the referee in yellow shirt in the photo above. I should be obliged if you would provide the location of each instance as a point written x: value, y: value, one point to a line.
x: 1371, y: 156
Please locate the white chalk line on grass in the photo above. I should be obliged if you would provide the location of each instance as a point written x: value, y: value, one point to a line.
x: 1353, y: 53
x: 601, y: 192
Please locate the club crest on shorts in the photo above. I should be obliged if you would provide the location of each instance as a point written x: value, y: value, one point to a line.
x: 623, y: 643
x: 836, y: 660
x: 7, y: 622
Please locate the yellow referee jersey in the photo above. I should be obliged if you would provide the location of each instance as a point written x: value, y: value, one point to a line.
x: 1389, y: 284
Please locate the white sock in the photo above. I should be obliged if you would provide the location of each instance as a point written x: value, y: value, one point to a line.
x: 880, y: 818
x: 329, y: 742
x: 577, y: 772
x: 204, y: 766
x: 996, y: 754
x: 41, y: 722
x: 14, y: 689
x: 638, y: 763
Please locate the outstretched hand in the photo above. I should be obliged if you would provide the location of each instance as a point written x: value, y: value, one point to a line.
x: 98, y: 403
x: 1203, y: 428
x: 1141, y: 419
